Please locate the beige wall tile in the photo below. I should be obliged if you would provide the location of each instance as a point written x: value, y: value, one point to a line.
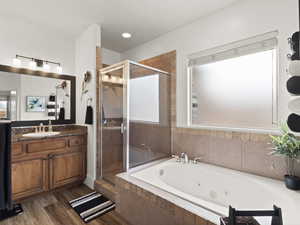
x: 200, y: 221
x: 193, y: 145
x: 226, y: 152
x: 189, y: 218
x: 139, y: 210
x: 257, y: 160
x: 248, y: 152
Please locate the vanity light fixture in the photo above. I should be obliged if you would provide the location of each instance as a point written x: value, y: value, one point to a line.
x: 113, y: 79
x: 46, y: 67
x: 59, y: 69
x: 34, y: 64
x: 13, y: 92
x: 17, y: 62
x: 105, y: 78
x: 126, y: 35
x: 120, y: 80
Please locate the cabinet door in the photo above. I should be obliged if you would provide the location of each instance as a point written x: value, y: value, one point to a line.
x: 29, y: 177
x: 66, y: 168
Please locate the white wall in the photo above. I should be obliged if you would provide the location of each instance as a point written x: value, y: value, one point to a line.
x: 239, y: 21
x: 85, y: 60
x: 25, y: 38
x: 110, y: 57
x: 9, y: 82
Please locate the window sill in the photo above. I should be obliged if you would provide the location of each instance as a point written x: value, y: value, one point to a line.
x: 273, y: 131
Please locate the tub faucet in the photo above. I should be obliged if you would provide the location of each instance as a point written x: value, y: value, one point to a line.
x: 176, y: 157
x: 184, y: 158
x: 197, y: 160
x: 148, y: 148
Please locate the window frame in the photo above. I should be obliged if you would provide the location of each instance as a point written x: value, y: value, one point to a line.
x: 275, y: 87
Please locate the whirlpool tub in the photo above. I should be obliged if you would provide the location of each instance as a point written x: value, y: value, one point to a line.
x: 211, y: 189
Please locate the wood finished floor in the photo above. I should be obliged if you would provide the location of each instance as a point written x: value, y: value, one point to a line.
x: 53, y: 209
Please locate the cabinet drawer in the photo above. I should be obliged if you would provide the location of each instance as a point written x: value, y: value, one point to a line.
x: 75, y: 141
x: 17, y: 149
x: 48, y: 145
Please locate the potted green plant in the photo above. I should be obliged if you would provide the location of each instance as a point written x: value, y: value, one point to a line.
x: 288, y: 145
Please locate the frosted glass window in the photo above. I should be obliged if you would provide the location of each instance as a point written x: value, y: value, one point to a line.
x: 237, y: 92
x: 144, y: 99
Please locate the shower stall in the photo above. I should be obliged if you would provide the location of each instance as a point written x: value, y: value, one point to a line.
x: 135, y: 117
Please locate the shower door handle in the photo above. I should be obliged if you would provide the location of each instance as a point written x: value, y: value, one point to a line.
x: 123, y: 128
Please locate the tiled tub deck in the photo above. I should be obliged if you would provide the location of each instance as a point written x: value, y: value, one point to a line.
x: 137, y: 203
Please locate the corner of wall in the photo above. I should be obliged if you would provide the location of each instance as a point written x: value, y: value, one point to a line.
x: 85, y: 60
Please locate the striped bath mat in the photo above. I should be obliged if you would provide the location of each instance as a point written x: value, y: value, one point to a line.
x: 91, y: 206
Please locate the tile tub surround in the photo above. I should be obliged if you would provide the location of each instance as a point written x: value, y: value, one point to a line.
x: 147, y: 208
x: 246, y: 152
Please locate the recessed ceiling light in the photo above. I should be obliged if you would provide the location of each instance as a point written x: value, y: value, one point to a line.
x: 126, y: 35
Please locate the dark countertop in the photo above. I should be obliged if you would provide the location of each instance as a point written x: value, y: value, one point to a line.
x: 65, y: 131
x: 5, y: 121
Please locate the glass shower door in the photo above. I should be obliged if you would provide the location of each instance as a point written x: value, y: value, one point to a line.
x: 112, y: 157
x: 149, y: 115
x: 135, y: 117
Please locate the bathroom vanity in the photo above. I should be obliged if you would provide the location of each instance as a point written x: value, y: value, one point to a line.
x: 41, y: 164
x: 43, y: 157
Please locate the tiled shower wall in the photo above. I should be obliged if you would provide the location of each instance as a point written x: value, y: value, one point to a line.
x: 155, y: 136
x: 247, y: 152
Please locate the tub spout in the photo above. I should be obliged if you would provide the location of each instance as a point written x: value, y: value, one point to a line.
x: 184, y: 158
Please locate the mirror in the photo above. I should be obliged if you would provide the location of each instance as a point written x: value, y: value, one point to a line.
x: 36, y: 98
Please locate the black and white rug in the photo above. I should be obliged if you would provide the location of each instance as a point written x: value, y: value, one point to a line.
x: 91, y: 206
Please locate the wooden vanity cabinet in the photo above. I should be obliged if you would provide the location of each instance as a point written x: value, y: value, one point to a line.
x: 66, y: 168
x: 29, y: 177
x: 42, y: 165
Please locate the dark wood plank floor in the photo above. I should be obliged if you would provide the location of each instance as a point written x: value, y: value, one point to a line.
x: 53, y: 209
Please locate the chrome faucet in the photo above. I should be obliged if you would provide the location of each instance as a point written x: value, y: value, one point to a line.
x: 197, y: 160
x: 148, y: 148
x: 39, y: 129
x: 50, y: 128
x: 42, y: 128
x: 184, y: 158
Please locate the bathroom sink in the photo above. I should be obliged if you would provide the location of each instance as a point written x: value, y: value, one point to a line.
x: 41, y: 134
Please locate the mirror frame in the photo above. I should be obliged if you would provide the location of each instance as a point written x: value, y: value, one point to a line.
x: 25, y: 71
